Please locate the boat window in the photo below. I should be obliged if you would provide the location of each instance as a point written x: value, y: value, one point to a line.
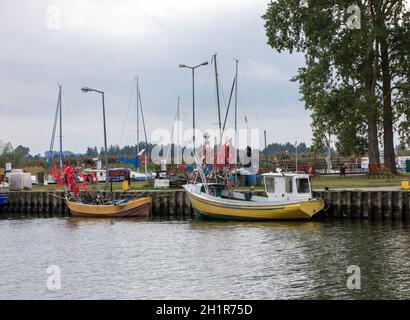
x: 289, y: 185
x: 270, y: 185
x: 302, y: 185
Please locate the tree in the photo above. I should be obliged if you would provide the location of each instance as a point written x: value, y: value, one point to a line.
x: 278, y: 147
x: 92, y: 152
x: 345, y: 80
x: 392, y: 31
x: 21, y: 150
x: 8, y: 154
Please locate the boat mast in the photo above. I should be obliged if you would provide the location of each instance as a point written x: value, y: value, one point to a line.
x: 53, y: 135
x: 176, y: 147
x: 236, y: 100
x: 217, y: 97
x: 61, y: 125
x: 236, y: 112
x: 138, y: 118
x: 266, y: 151
x: 145, y: 130
x: 178, y: 109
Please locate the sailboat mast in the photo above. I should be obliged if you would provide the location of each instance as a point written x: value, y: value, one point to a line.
x: 236, y: 111
x: 138, y: 117
x: 53, y: 135
x: 143, y: 124
x: 217, y: 96
x: 61, y: 125
x: 178, y: 109
x: 236, y: 97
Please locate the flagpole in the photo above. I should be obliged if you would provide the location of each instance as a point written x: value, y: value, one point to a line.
x: 296, y: 147
x: 296, y: 171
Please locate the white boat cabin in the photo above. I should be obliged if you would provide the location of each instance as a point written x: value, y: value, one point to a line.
x: 287, y: 187
x: 100, y: 174
x: 280, y: 188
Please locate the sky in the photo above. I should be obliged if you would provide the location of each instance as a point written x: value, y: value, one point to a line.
x: 105, y: 44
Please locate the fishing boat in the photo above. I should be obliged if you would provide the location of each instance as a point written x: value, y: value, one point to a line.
x: 113, y: 209
x: 83, y: 200
x: 213, y: 195
x: 287, y: 196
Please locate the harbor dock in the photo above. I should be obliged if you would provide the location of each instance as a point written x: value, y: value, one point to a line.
x: 343, y: 204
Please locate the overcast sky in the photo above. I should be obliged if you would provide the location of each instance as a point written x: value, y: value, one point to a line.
x: 104, y: 44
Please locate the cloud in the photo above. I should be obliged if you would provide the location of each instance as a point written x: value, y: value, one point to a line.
x: 104, y: 44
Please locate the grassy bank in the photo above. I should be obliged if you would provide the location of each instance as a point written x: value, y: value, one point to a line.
x: 135, y: 185
x: 353, y: 181
x: 358, y: 181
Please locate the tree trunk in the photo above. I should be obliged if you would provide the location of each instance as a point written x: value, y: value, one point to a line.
x: 371, y: 73
x: 373, y: 145
x: 388, y: 138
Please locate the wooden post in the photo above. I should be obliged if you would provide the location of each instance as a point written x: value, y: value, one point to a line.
x: 21, y: 205
x: 388, y: 205
x: 180, y: 203
x: 339, y: 204
x: 379, y: 204
x: 171, y: 203
x: 29, y: 204
x: 406, y: 215
x: 359, y: 205
x: 369, y: 205
x: 155, y: 204
x: 400, y: 206
x: 348, y: 204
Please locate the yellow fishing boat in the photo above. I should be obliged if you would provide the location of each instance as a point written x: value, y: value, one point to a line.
x: 287, y: 196
x: 121, y: 208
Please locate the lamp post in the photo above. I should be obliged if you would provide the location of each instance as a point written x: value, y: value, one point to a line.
x: 86, y: 90
x: 193, y: 97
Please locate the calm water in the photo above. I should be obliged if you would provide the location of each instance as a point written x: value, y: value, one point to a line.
x: 122, y: 259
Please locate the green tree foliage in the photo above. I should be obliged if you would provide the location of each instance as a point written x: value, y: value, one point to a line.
x: 21, y: 150
x: 14, y: 156
x: 279, y: 147
x: 355, y: 89
x: 92, y: 152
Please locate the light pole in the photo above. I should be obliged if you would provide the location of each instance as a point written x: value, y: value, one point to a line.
x: 193, y: 97
x: 86, y: 90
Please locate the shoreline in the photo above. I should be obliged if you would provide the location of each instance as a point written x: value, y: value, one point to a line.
x: 340, y: 203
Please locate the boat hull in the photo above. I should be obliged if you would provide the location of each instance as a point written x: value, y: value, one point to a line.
x: 133, y: 208
x: 209, y: 209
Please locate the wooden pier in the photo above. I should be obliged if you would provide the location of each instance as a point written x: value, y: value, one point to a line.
x: 393, y: 205
x: 46, y: 204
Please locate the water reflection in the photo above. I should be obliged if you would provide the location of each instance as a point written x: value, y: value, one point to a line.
x: 74, y: 222
x: 188, y: 259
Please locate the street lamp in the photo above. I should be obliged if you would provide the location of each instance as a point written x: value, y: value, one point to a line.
x: 86, y: 90
x: 193, y: 96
